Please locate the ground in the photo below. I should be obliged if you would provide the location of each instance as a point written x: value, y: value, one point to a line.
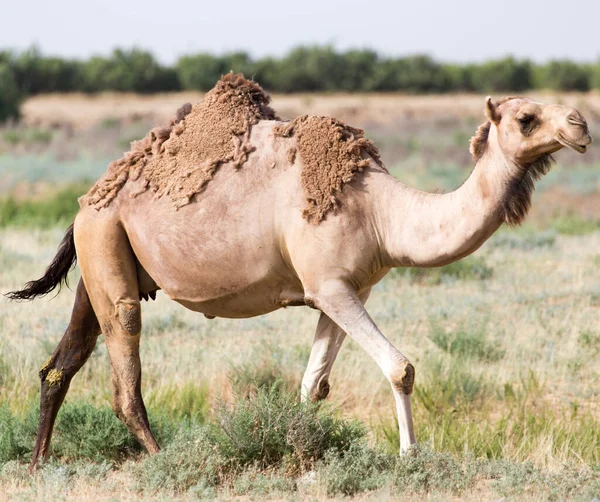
x: 506, y: 343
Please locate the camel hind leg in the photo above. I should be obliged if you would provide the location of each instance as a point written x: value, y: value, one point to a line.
x: 108, y: 267
x: 69, y: 356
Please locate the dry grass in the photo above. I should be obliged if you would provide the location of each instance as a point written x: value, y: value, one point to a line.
x: 538, y: 311
x: 362, y: 110
x: 507, y: 361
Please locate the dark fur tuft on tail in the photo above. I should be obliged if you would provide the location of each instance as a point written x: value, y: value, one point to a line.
x: 56, y: 273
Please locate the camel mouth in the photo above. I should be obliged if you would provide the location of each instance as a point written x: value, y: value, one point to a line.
x: 572, y: 145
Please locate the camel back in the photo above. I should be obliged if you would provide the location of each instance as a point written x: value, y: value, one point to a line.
x: 179, y: 160
x: 332, y: 152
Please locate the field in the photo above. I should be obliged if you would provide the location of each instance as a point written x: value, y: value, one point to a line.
x: 506, y: 342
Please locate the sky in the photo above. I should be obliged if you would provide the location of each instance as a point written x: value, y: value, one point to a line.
x: 448, y: 30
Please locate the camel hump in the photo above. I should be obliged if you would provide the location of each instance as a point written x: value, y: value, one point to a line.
x: 332, y: 153
x: 180, y: 159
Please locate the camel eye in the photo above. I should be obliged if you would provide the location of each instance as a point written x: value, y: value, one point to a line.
x: 526, y: 120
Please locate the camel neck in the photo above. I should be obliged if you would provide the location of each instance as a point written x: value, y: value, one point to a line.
x: 428, y: 230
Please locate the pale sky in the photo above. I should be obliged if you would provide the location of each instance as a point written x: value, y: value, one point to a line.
x: 450, y: 30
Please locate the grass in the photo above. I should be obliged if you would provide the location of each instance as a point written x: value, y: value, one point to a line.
x: 467, y: 344
x: 472, y: 268
x: 27, y: 136
x: 573, y: 224
x: 504, y: 395
x: 525, y: 240
x: 505, y: 345
x: 59, y: 208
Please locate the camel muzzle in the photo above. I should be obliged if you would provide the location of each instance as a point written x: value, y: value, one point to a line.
x: 577, y: 135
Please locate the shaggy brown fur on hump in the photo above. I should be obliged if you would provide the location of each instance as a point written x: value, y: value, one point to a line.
x: 332, y: 153
x: 179, y: 160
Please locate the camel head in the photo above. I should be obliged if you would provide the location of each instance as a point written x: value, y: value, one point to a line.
x: 527, y: 131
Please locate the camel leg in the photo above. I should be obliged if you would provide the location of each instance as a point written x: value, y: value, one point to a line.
x: 329, y: 338
x: 111, y: 269
x: 343, y: 306
x: 69, y: 356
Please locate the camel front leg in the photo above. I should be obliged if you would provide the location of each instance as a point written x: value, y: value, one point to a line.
x: 343, y: 306
x: 328, y: 341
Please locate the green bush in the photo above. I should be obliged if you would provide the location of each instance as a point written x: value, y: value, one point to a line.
x: 430, y: 471
x: 83, y: 431
x: 255, y: 437
x: 190, y: 460
x: 359, y: 469
x: 272, y: 426
x: 16, y: 434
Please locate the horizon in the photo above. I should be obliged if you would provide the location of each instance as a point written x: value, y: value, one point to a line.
x: 270, y: 30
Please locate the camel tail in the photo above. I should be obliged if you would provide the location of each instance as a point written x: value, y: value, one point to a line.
x: 56, y: 273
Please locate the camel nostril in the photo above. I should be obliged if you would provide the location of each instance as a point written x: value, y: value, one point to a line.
x: 576, y: 119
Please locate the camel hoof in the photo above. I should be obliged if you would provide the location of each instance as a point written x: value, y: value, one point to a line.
x: 411, y: 452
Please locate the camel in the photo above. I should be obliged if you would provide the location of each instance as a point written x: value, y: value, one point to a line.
x: 234, y: 213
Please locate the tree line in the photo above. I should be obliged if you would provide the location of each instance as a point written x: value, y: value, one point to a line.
x: 303, y: 69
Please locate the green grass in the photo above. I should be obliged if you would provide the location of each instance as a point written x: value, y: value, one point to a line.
x: 453, y: 412
x: 526, y: 239
x: 27, y: 136
x: 465, y: 343
x: 472, y: 268
x: 271, y: 444
x: 574, y: 224
x: 268, y: 367
x: 59, y: 208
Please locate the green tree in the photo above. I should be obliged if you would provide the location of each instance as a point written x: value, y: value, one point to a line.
x: 564, y: 76
x: 10, y: 96
x: 201, y: 71
x: 128, y: 70
x: 503, y: 75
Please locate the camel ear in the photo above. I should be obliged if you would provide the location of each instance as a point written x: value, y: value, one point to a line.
x: 491, y: 111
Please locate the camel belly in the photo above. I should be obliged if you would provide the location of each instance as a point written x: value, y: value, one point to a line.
x: 234, y: 285
x: 255, y: 300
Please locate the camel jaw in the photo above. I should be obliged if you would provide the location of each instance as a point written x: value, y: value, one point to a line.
x: 581, y: 148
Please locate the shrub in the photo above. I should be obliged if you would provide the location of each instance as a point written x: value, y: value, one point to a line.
x: 83, y: 431
x: 273, y: 426
x: 190, y: 460
x: 430, y: 471
x: 16, y: 434
x: 359, y: 469
x: 255, y: 482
